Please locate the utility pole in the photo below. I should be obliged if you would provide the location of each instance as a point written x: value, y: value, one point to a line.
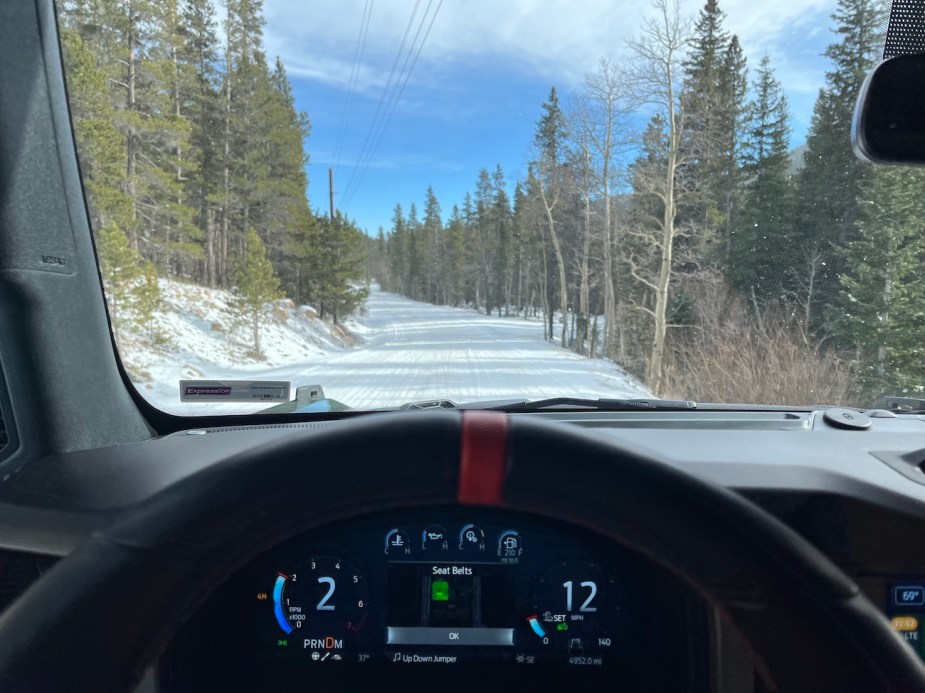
x: 331, y: 191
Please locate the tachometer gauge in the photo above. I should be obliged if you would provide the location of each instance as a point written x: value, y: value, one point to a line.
x: 323, y: 602
x: 574, y: 610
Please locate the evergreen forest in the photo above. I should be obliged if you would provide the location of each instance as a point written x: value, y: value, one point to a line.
x: 666, y: 219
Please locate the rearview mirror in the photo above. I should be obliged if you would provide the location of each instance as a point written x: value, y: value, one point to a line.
x: 889, y: 118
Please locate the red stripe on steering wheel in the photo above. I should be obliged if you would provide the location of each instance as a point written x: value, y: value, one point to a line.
x: 483, y: 457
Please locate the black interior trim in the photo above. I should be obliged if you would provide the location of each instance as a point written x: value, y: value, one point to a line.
x: 807, y: 623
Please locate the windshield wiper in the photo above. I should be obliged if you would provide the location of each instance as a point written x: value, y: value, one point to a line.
x: 572, y: 403
x: 899, y: 404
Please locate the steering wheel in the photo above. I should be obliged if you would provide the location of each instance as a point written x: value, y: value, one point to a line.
x: 105, y: 613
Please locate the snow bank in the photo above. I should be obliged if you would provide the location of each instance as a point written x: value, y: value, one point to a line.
x: 194, y: 336
x: 395, y: 351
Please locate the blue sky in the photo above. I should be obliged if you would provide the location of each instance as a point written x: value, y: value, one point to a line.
x: 474, y: 95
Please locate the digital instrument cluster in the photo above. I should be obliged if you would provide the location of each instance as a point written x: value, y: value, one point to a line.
x: 448, y: 591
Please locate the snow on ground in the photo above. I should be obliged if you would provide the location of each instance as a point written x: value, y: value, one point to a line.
x: 407, y: 351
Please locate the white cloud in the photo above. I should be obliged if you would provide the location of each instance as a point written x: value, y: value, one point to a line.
x: 556, y: 39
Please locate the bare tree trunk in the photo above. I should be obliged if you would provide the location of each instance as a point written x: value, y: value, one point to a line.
x: 560, y: 265
x: 520, y: 279
x: 544, y: 295
x: 609, y: 299
x: 178, y: 150
x: 131, y: 142
x: 660, y: 326
x: 593, y: 339
x: 652, y: 79
x: 210, y: 245
x: 584, y: 291
x: 226, y: 163
x: 605, y: 90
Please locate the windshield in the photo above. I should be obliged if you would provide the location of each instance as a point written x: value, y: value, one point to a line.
x: 390, y: 202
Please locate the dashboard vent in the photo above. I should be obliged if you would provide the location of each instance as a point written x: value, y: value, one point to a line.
x: 252, y: 427
x: 909, y: 464
x: 263, y: 427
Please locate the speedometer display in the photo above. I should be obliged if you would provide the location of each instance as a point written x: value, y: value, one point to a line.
x: 575, y: 609
x: 451, y: 595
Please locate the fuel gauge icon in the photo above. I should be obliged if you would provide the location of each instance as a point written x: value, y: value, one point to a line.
x: 510, y: 545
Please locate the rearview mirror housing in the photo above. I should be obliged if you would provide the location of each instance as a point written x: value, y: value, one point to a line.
x: 889, y: 118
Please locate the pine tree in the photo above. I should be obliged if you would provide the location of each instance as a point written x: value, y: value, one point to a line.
x: 256, y: 286
x: 454, y: 258
x: 399, y: 272
x: 245, y: 71
x: 761, y: 247
x: 481, y: 238
x: 175, y: 231
x: 120, y: 269
x: 280, y: 202
x: 133, y: 39
x: 713, y: 99
x: 415, y: 249
x: 147, y: 300
x: 199, y: 58
x: 100, y: 145
x: 432, y: 232
x: 884, y: 281
x: 339, y: 268
x: 831, y: 179
x: 503, y: 260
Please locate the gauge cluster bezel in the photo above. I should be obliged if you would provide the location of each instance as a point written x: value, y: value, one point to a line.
x: 654, y: 626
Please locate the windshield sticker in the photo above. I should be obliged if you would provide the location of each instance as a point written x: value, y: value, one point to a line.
x: 234, y: 391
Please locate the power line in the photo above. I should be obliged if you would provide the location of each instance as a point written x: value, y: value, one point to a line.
x: 388, y: 84
x: 354, y: 77
x: 397, y: 98
x: 390, y: 97
x: 404, y: 75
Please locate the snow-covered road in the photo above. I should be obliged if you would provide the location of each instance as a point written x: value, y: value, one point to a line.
x: 417, y: 351
x: 410, y: 351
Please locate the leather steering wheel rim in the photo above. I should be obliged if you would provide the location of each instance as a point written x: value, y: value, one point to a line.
x: 105, y: 613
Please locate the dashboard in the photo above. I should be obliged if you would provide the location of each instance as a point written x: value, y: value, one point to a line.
x: 445, y: 595
x: 843, y: 490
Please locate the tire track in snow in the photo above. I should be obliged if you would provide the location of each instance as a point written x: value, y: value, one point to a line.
x: 417, y: 351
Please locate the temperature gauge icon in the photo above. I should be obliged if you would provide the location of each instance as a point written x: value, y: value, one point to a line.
x: 397, y: 542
